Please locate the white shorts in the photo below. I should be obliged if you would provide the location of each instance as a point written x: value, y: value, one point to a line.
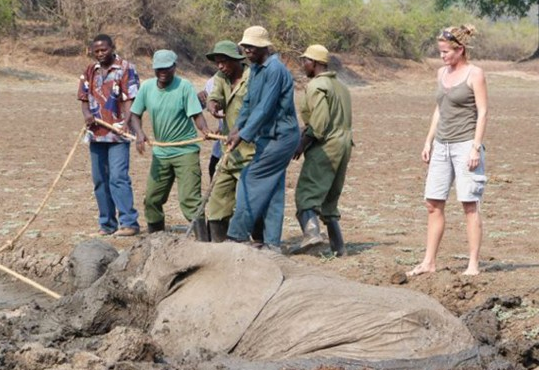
x: 448, y: 163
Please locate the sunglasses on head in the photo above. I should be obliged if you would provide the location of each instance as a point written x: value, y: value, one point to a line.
x: 450, y: 37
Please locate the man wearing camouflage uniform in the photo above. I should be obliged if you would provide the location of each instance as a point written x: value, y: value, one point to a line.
x: 225, y: 101
x: 326, y: 143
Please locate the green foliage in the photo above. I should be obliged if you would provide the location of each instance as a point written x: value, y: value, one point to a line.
x: 391, y: 28
x: 505, y: 41
x: 7, y: 16
x: 531, y: 334
x: 492, y: 8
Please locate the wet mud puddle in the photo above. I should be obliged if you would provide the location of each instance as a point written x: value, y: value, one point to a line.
x: 14, y: 294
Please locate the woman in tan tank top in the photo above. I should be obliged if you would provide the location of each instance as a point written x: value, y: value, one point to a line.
x: 454, y: 146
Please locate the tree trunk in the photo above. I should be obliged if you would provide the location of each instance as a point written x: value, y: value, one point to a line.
x: 535, y: 55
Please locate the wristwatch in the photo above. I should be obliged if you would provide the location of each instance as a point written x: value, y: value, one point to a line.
x: 477, y: 147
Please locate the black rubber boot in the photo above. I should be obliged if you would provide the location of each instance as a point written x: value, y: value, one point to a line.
x: 156, y: 226
x: 336, y: 240
x: 218, y: 230
x: 308, y: 221
x: 257, y: 235
x: 201, y: 230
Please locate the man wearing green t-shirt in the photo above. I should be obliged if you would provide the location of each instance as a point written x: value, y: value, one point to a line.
x: 173, y: 106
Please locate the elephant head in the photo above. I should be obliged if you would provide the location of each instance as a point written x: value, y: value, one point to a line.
x: 88, y: 262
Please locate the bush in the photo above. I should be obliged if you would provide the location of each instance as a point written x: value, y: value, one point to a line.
x: 7, y: 16
x: 393, y: 28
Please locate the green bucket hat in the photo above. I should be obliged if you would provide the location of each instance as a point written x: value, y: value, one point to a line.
x: 164, y: 59
x: 225, y: 47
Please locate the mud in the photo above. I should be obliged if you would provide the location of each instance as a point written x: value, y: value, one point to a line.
x: 383, y: 214
x: 173, y: 302
x: 14, y: 294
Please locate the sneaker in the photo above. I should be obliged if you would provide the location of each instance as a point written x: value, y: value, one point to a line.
x: 126, y: 231
x: 103, y: 232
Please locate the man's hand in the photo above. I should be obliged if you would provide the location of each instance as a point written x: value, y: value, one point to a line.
x: 89, y: 119
x: 200, y: 123
x: 141, y: 140
x: 233, y: 139
x: 299, y: 151
x: 202, y: 97
x: 215, y: 109
x: 304, y: 143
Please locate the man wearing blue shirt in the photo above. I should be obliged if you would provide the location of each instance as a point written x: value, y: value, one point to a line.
x: 267, y: 118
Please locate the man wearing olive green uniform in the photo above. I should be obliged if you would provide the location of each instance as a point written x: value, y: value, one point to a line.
x: 229, y: 89
x: 326, y: 144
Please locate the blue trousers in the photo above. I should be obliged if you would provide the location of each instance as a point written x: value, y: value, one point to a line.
x: 261, y: 189
x: 112, y: 185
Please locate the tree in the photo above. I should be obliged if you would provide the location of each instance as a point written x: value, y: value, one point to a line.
x: 7, y: 17
x: 495, y: 9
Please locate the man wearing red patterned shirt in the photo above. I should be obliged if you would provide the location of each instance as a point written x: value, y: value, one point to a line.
x: 107, y: 89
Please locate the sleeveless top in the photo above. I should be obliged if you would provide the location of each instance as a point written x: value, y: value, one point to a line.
x: 458, y: 112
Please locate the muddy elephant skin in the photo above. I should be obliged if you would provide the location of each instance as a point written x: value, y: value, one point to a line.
x: 230, y: 299
x: 88, y: 262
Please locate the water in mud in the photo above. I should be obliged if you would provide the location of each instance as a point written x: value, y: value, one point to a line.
x: 14, y: 293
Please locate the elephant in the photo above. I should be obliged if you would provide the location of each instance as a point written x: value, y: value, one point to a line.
x: 261, y: 307
x: 88, y: 262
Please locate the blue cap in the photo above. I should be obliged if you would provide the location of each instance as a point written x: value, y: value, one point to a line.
x: 164, y: 59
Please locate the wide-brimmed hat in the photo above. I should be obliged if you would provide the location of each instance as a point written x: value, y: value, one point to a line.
x: 164, y: 59
x: 256, y: 36
x: 225, y: 47
x: 317, y: 53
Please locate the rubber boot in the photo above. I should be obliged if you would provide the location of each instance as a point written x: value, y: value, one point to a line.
x: 218, y: 230
x: 201, y: 230
x: 308, y: 221
x: 336, y: 240
x: 156, y: 226
x: 257, y: 235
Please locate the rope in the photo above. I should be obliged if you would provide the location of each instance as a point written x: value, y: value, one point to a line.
x: 10, y: 243
x: 157, y: 143
x: 30, y: 282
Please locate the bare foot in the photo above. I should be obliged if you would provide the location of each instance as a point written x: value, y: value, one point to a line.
x: 421, y: 269
x: 471, y: 271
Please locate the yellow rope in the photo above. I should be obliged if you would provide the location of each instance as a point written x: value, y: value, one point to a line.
x: 30, y: 282
x: 9, y: 244
x: 157, y: 143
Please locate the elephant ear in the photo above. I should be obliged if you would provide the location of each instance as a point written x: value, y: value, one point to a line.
x: 216, y: 292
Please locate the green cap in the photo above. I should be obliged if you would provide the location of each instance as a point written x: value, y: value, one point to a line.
x: 225, y: 47
x: 164, y: 59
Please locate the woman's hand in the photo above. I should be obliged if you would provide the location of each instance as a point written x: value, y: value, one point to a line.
x: 425, y: 154
x: 475, y: 158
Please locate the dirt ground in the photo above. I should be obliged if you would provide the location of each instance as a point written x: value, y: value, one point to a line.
x: 383, y: 215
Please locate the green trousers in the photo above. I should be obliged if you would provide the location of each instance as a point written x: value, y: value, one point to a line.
x: 321, y: 181
x: 163, y: 171
x: 223, y: 196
